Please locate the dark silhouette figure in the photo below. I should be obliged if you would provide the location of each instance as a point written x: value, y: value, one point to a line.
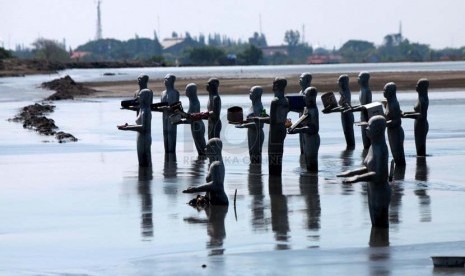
x: 214, y: 108
x: 214, y: 187
x: 279, y: 213
x: 255, y: 135
x: 375, y: 172
x: 277, y: 120
x: 309, y: 128
x: 395, y: 131
x: 143, y: 127
x: 145, y: 193
x: 170, y: 95
x: 365, y: 97
x: 420, y: 114
x: 305, y: 81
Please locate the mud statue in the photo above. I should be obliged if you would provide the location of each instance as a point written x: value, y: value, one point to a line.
x: 255, y: 135
x: 420, y: 114
x: 305, y: 81
x: 214, y: 187
x: 214, y: 108
x: 142, y: 81
x: 309, y: 127
x: 197, y: 126
x: 365, y: 98
x: 170, y: 96
x: 395, y: 131
x: 143, y: 128
x: 375, y: 172
x: 278, y: 117
x: 347, y: 118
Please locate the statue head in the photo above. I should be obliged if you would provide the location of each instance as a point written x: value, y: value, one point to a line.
x: 191, y: 90
x: 390, y: 90
x: 145, y: 97
x: 305, y: 80
x: 255, y: 92
x: 212, y: 85
x: 363, y: 78
x: 279, y: 84
x: 343, y: 82
x: 169, y: 80
x: 214, y: 147
x: 142, y: 80
x: 422, y: 86
x: 310, y: 96
x: 376, y: 127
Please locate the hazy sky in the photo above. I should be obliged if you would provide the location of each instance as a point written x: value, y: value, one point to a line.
x: 327, y: 23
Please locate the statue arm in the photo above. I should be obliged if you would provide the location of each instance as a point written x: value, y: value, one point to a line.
x: 202, y: 188
x: 358, y: 171
x: 359, y: 178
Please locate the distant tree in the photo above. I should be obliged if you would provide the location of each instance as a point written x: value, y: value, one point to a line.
x: 4, y: 53
x: 258, y: 40
x: 207, y: 55
x: 357, y: 50
x: 50, y: 50
x: 250, y: 56
x: 292, y: 38
x: 202, y: 39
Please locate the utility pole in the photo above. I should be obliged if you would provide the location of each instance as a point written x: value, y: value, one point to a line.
x: 98, y: 34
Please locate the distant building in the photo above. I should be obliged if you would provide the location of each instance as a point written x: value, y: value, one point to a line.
x: 324, y: 59
x: 176, y: 45
x: 78, y: 55
x: 270, y: 51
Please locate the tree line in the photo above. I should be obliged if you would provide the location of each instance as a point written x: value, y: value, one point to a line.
x: 219, y: 49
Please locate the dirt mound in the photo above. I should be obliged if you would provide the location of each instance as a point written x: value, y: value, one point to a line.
x: 66, y: 89
x: 33, y: 117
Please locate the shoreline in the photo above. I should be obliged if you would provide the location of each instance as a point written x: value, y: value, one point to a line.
x: 324, y: 82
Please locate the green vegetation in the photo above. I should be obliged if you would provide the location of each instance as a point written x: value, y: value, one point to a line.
x: 217, y: 49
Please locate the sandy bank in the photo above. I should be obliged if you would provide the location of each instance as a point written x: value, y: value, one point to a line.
x: 405, y: 81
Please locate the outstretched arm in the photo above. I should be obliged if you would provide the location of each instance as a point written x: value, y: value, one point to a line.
x: 208, y: 187
x: 361, y: 170
x: 358, y: 178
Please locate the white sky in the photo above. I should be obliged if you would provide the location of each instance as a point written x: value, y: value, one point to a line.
x: 328, y: 23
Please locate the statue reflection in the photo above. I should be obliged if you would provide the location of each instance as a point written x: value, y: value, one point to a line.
x: 279, y: 216
x: 256, y: 191
x: 421, y: 174
x: 145, y: 193
x: 379, y: 251
x: 347, y: 162
x: 308, y: 184
x: 215, y: 227
x: 170, y: 168
x: 397, y: 189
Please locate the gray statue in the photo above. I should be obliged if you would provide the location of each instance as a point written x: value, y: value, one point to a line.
x: 255, y: 135
x: 305, y: 81
x: 395, y: 131
x: 170, y: 95
x: 420, y: 114
x: 278, y: 117
x: 197, y: 126
x: 309, y: 128
x: 143, y: 128
x: 375, y: 171
x: 214, y: 109
x: 365, y: 98
x: 214, y: 187
x: 347, y: 118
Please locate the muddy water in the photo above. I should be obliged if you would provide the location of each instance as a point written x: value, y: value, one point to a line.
x: 86, y: 208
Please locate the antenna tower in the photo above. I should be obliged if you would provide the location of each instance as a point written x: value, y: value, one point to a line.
x: 98, y: 35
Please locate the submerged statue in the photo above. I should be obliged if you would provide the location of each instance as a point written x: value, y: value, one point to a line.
x: 170, y: 95
x: 395, y: 131
x: 197, y: 126
x: 255, y: 135
x: 214, y: 187
x: 375, y: 172
x: 365, y: 98
x: 420, y: 114
x: 143, y: 128
x: 214, y: 108
x: 347, y: 118
x: 309, y: 127
x: 278, y: 117
x: 305, y: 81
